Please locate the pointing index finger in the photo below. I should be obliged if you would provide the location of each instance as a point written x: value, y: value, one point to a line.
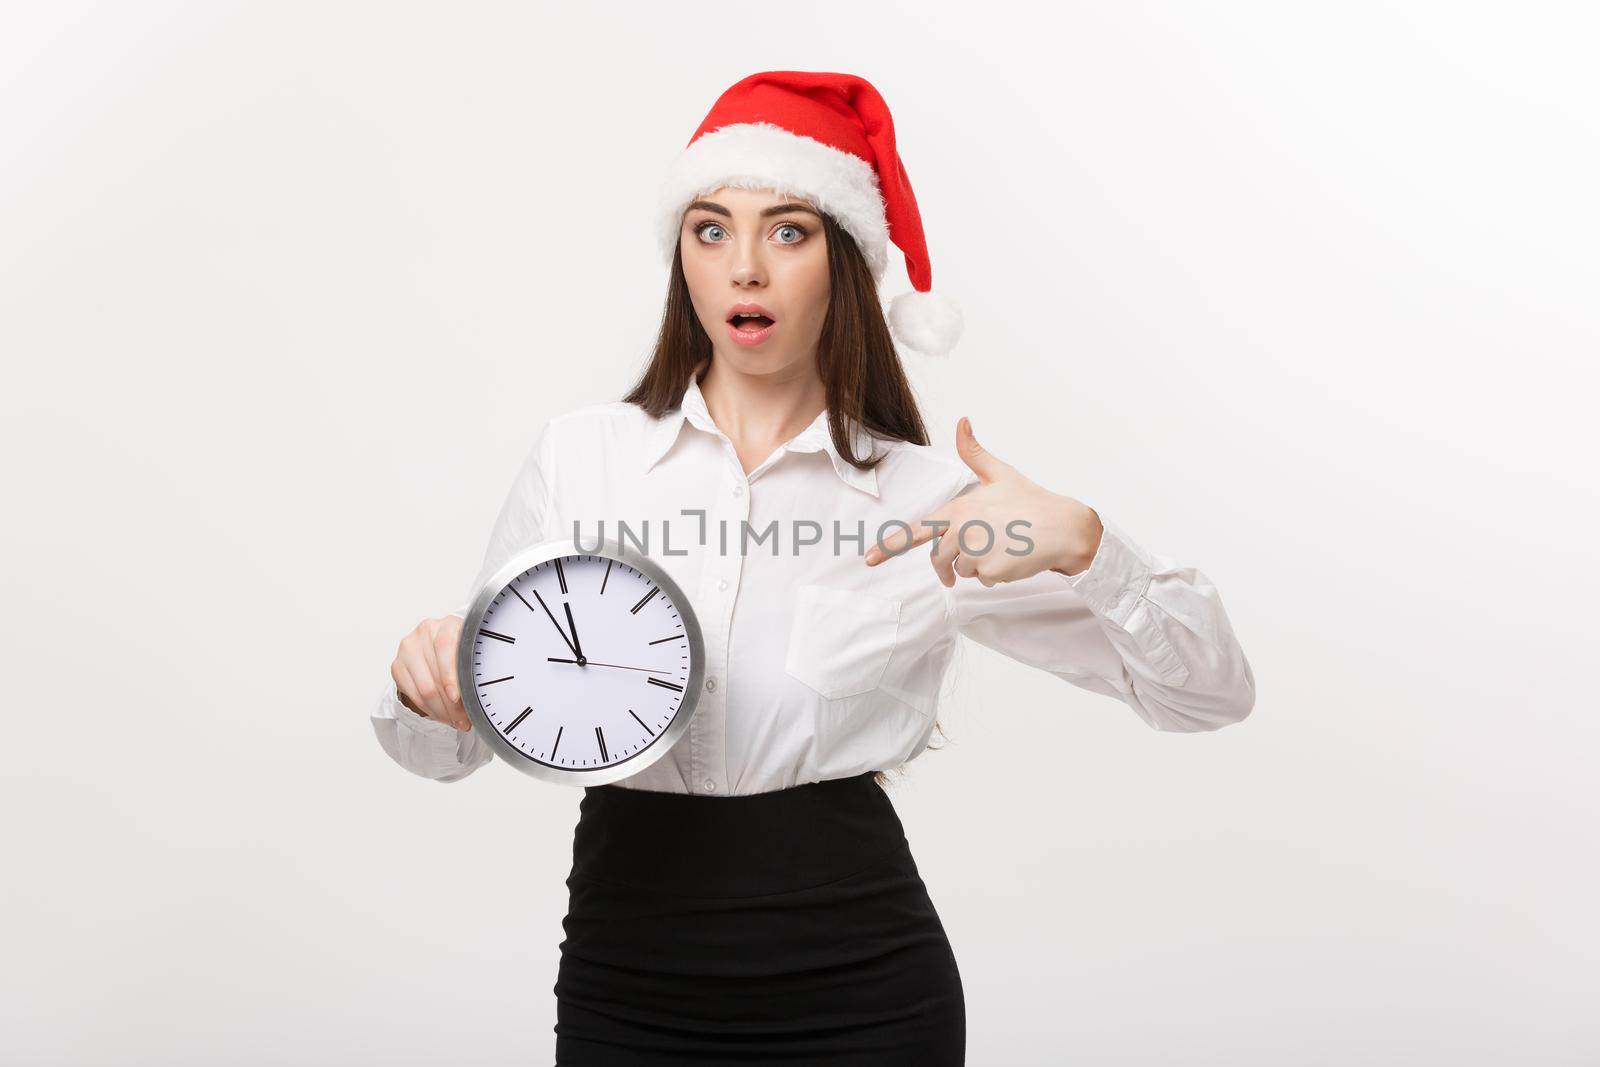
x: 896, y: 540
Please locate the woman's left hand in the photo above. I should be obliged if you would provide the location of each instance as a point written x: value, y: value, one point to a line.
x: 1065, y: 532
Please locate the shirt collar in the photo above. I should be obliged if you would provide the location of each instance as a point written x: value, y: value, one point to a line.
x: 814, y: 438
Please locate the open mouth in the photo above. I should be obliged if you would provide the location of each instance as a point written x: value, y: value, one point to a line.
x: 749, y: 323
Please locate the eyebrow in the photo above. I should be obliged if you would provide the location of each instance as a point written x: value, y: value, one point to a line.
x: 781, y: 209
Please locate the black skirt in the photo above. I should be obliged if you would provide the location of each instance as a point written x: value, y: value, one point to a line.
x: 782, y: 927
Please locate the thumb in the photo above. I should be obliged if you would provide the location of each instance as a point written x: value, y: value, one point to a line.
x: 985, y: 464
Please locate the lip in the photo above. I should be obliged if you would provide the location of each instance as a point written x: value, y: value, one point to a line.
x: 748, y: 309
x: 747, y: 337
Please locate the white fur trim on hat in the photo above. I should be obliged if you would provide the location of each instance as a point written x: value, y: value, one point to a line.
x: 925, y: 322
x: 759, y: 155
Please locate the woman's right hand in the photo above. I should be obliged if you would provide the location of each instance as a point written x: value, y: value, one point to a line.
x: 424, y: 671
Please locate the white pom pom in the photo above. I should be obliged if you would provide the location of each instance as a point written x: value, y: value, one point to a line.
x: 925, y: 322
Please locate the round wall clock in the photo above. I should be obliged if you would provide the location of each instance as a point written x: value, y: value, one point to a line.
x: 579, y: 666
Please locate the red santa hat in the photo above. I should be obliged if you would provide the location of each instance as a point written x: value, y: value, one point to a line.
x: 828, y: 138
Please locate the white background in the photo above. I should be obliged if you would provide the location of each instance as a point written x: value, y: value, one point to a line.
x: 1302, y: 295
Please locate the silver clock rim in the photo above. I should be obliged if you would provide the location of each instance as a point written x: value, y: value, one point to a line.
x: 526, y: 559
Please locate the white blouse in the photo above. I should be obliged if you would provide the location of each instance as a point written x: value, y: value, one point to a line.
x: 818, y: 666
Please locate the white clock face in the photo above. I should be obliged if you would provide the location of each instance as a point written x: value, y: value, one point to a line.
x: 582, y: 663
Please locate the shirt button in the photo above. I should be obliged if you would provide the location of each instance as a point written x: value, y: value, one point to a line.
x: 738, y: 490
x: 722, y: 584
x: 711, y: 683
x: 711, y: 787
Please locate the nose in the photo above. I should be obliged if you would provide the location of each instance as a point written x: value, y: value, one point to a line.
x: 749, y: 271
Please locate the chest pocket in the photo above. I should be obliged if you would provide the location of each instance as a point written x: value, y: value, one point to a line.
x: 841, y: 641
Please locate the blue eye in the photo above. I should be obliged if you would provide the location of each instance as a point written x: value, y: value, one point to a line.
x: 718, y: 231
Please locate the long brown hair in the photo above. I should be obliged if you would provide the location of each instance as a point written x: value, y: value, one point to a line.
x: 860, y: 370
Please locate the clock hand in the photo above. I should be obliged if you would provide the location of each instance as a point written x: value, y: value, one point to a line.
x: 573, y: 626
x: 592, y: 663
x: 553, y: 622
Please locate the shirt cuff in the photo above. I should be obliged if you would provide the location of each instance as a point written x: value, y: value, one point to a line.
x: 420, y: 723
x: 1116, y: 578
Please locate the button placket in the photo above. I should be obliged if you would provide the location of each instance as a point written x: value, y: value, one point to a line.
x: 718, y: 587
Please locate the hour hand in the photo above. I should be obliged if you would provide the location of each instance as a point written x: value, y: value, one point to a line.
x: 573, y: 626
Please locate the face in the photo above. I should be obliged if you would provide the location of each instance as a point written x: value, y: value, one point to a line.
x: 757, y: 247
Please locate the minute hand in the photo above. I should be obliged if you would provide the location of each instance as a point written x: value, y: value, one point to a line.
x: 553, y: 622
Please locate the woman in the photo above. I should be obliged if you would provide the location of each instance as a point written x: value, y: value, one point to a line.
x: 751, y: 895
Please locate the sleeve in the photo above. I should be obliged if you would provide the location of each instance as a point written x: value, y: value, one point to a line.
x: 1132, y: 625
x: 437, y: 750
